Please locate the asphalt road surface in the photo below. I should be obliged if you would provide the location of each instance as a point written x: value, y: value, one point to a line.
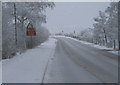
x: 74, y: 62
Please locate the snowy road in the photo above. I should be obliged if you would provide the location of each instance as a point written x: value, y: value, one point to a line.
x: 74, y: 62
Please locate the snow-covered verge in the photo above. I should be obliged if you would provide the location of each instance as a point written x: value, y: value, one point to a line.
x: 111, y: 50
x: 28, y: 67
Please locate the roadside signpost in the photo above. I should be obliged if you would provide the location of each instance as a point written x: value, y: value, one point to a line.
x: 30, y: 32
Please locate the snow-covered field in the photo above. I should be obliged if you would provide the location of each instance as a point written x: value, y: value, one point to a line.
x: 28, y: 67
x: 93, y: 45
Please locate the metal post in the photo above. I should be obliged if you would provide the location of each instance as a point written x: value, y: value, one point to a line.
x: 31, y: 42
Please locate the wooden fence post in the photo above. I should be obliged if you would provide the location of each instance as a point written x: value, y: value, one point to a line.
x: 119, y: 45
x: 114, y: 44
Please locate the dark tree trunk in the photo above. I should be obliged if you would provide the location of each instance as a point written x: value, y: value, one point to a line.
x: 105, y: 37
x: 15, y: 24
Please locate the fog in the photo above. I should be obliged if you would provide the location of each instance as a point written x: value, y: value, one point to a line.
x: 70, y: 16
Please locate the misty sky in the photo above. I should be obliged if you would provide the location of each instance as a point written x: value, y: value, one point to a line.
x: 70, y: 16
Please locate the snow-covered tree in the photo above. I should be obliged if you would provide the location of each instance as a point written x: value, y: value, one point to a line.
x: 16, y: 16
x: 86, y: 35
x: 101, y: 26
x: 112, y: 22
x: 106, y: 26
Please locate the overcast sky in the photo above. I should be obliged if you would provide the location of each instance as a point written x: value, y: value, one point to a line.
x: 70, y: 16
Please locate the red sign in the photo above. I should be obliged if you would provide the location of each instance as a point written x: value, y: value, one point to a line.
x: 30, y: 30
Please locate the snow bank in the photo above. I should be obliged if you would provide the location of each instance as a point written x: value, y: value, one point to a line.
x: 28, y: 67
x: 111, y: 50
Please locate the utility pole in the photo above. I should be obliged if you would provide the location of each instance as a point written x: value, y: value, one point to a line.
x: 15, y: 24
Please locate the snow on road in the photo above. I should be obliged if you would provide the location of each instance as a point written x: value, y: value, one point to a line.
x: 111, y: 50
x: 74, y: 62
x: 29, y: 67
